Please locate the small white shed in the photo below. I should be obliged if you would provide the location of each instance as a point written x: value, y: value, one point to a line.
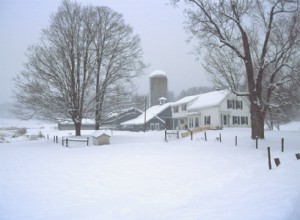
x: 100, y: 138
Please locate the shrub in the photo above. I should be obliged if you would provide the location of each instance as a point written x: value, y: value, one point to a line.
x: 20, y: 131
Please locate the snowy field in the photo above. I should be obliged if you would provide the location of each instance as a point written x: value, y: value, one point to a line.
x: 140, y: 176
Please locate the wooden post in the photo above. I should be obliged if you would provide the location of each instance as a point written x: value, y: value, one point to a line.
x: 256, y: 142
x: 282, y: 144
x: 54, y: 139
x: 235, y: 140
x: 269, y: 158
x: 220, y: 137
x: 205, y: 137
x: 66, y: 142
x: 166, y: 135
x: 191, y: 135
x: 87, y: 141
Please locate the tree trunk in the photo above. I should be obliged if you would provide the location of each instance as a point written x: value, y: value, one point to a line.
x: 257, y: 122
x: 77, y: 128
x: 97, y: 119
x: 98, y: 112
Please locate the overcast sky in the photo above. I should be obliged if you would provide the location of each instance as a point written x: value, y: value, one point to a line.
x: 159, y: 25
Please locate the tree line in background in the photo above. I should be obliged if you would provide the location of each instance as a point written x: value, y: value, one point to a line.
x: 83, y: 66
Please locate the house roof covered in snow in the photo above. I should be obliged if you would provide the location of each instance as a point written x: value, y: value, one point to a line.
x: 158, y: 73
x: 209, y: 99
x: 150, y: 114
x: 185, y: 100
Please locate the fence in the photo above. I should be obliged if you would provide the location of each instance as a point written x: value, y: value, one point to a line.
x: 171, y: 135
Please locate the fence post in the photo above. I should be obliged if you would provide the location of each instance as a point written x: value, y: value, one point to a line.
x: 256, y: 142
x: 87, y: 141
x: 282, y: 144
x: 205, y: 137
x: 235, y: 140
x: 220, y: 135
x: 165, y: 134
x: 54, y: 139
x: 66, y: 142
x: 191, y: 135
x: 269, y: 158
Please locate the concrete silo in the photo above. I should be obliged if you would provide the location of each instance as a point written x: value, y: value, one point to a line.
x: 158, y: 87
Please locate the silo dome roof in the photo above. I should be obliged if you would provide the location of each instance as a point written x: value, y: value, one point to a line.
x: 158, y: 73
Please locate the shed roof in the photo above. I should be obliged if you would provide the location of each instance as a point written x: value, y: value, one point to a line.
x: 99, y: 133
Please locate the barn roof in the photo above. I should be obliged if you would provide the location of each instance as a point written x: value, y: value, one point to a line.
x: 151, y: 113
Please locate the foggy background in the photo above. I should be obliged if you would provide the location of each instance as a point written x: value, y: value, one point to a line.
x: 159, y: 25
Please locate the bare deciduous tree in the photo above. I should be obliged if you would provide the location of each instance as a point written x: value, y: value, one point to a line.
x: 118, y: 55
x: 63, y: 69
x: 251, y: 47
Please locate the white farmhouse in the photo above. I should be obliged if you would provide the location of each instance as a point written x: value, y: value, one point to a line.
x: 215, y: 109
x: 180, y: 113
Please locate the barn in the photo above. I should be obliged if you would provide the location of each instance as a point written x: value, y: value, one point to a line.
x: 158, y: 117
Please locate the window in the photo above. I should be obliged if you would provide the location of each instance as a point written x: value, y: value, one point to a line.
x: 157, y: 126
x: 239, y: 120
x: 196, y: 122
x: 152, y: 127
x: 191, y: 122
x: 224, y: 119
x: 239, y: 105
x: 175, y: 109
x: 234, y: 104
x: 207, y: 120
x: 244, y: 120
x: 235, y: 120
x: 184, y: 107
x: 230, y: 104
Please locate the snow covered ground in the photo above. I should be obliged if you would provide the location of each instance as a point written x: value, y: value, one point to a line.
x: 140, y: 176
